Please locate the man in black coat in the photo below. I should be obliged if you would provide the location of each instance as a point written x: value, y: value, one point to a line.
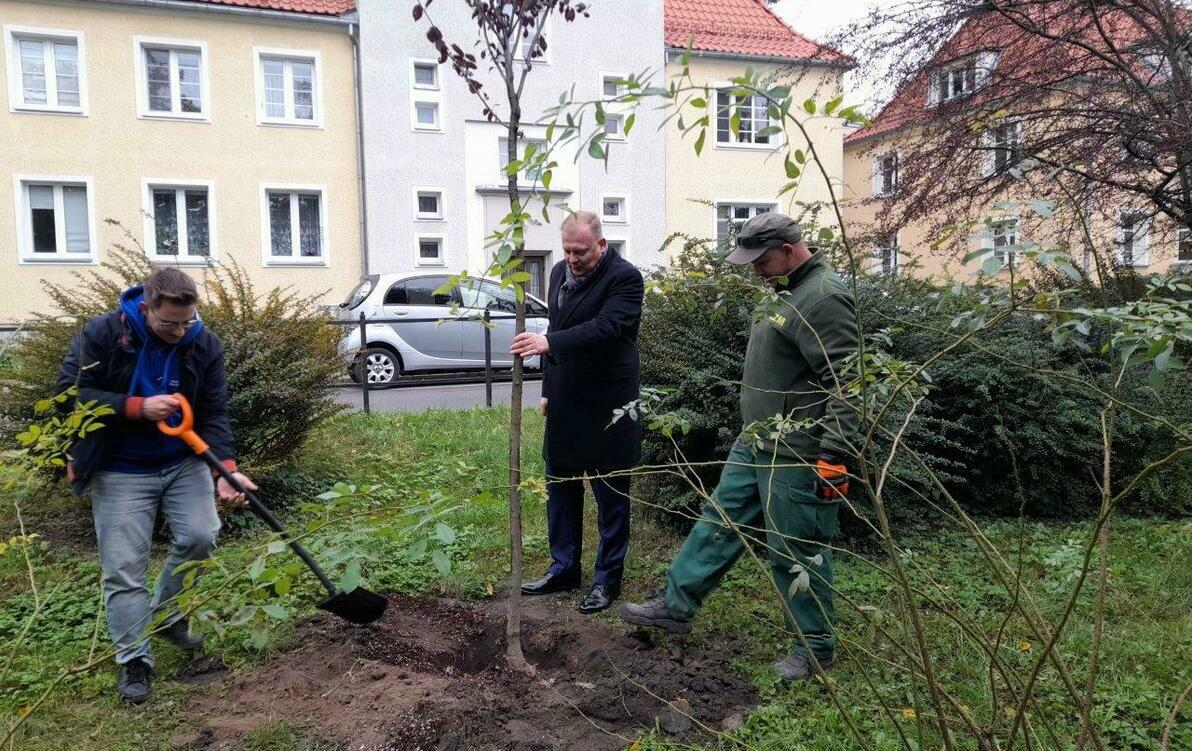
x: 590, y: 368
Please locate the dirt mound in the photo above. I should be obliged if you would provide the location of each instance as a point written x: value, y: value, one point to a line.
x: 431, y: 676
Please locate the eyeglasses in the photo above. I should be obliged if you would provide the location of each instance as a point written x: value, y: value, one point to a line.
x: 177, y: 325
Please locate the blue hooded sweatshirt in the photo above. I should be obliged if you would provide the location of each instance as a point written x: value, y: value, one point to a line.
x: 138, y: 447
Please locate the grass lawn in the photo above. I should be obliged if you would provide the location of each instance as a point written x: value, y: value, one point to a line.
x: 461, y: 456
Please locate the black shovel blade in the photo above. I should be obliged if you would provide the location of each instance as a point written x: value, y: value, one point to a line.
x: 358, y: 606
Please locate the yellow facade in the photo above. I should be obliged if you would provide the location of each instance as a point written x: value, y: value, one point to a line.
x: 737, y: 175
x: 114, y: 149
x: 946, y: 262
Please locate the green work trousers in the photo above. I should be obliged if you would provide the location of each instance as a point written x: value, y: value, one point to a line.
x: 760, y: 492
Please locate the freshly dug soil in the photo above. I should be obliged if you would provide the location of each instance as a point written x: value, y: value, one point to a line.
x: 431, y: 676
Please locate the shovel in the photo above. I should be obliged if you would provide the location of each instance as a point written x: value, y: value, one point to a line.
x: 358, y: 606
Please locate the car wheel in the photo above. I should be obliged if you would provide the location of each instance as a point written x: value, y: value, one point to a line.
x: 381, y: 368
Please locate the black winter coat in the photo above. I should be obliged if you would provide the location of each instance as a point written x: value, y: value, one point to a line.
x: 107, y: 350
x: 592, y: 368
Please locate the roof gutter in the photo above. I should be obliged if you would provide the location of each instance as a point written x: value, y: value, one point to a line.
x: 263, y: 14
x: 809, y: 62
x: 362, y: 201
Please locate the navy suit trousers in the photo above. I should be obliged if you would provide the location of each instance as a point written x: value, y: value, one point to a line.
x: 565, y: 523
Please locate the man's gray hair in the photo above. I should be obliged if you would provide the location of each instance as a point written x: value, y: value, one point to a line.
x: 589, y: 218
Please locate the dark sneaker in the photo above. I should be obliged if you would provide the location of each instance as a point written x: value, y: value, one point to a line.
x: 133, y: 683
x: 654, y: 612
x: 797, y: 666
x: 180, y: 636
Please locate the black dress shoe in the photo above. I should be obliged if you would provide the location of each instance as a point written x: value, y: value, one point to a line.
x: 549, y: 584
x: 600, y: 596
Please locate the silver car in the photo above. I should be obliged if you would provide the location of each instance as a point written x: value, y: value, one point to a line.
x: 431, y: 326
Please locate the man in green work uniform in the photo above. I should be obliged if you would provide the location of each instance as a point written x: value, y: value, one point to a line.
x: 791, y: 487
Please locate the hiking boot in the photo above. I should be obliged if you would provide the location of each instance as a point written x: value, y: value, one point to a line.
x: 133, y: 683
x: 179, y: 635
x: 797, y: 666
x: 655, y: 612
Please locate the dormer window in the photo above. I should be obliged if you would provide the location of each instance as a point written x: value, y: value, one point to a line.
x: 961, y: 78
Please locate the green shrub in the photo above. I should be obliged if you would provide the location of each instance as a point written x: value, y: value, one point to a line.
x: 281, y: 356
x: 1002, y: 437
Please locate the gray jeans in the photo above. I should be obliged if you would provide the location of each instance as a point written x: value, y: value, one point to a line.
x: 125, y: 509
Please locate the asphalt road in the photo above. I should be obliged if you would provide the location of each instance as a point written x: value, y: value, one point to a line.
x: 420, y: 398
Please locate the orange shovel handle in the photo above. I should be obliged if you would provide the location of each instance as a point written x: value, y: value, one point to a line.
x: 185, y: 431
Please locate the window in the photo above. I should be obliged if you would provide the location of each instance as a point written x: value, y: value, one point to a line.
x: 614, y: 128
x: 754, y: 114
x: 55, y: 219
x: 1183, y: 245
x: 45, y: 70
x: 418, y: 291
x: 178, y: 222
x: 426, y: 75
x: 1133, y: 238
x: 172, y: 79
x: 481, y: 294
x: 430, y: 251
x: 885, y: 174
x: 1005, y: 241
x: 1003, y: 148
x: 617, y: 245
x: 428, y: 204
x: 426, y: 116
x: 609, y: 86
x: 886, y: 254
x: 295, y: 224
x: 533, y: 174
x: 730, y: 217
x: 613, y: 211
x: 288, y: 89
x: 961, y: 78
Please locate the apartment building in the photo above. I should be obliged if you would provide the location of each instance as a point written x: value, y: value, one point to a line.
x: 202, y: 131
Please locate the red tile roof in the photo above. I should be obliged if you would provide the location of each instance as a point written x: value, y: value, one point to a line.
x: 313, y: 7
x: 740, y: 27
x: 1027, y: 61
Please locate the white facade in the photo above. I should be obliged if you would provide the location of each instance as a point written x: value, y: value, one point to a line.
x: 425, y: 138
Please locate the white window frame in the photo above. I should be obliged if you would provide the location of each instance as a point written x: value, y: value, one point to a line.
x: 25, y: 252
x: 618, y: 135
x: 624, y: 245
x: 1182, y: 233
x: 623, y: 218
x: 990, y: 148
x: 753, y: 203
x: 148, y: 185
x: 519, y: 49
x: 880, y: 255
x: 880, y: 189
x: 16, y: 87
x: 288, y: 56
x: 414, y: 63
x: 422, y: 127
x: 605, y: 75
x: 1142, y: 237
x: 989, y: 241
x: 983, y: 64
x: 267, y: 257
x: 419, y: 190
x: 139, y: 44
x: 522, y: 177
x: 734, y: 142
x: 436, y: 237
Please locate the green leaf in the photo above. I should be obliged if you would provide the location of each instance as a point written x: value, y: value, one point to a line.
x: 445, y: 533
x: 700, y: 102
x: 632, y: 118
x: 599, y: 114
x: 282, y: 585
x: 257, y: 568
x: 792, y: 169
x: 275, y: 611
x: 1163, y: 359
x: 546, y: 178
x: 768, y: 131
x: 992, y: 266
x: 734, y: 122
x: 276, y: 546
x: 809, y: 105
x: 442, y: 562
x: 831, y: 106
x: 595, y: 150
x: 351, y: 578
x: 699, y: 142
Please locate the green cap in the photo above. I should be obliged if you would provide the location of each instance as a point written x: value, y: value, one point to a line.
x: 761, y: 233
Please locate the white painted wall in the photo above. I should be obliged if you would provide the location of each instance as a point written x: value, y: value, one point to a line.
x: 621, y: 36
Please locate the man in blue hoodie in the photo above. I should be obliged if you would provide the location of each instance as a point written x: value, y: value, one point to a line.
x: 134, y: 360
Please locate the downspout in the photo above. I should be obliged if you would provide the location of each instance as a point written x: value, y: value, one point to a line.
x: 354, y: 34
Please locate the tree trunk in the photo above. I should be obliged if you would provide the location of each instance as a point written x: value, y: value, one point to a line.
x: 513, y: 650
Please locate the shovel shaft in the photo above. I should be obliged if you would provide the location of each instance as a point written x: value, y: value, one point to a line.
x: 262, y: 511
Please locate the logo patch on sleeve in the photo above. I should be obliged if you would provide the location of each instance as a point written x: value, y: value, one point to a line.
x: 778, y: 320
